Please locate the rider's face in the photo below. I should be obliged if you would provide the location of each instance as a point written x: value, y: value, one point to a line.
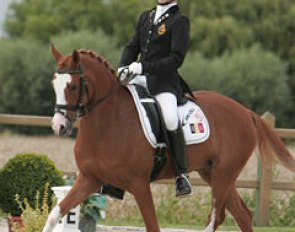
x: 164, y: 1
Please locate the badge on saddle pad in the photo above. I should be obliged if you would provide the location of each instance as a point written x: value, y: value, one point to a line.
x: 194, y: 123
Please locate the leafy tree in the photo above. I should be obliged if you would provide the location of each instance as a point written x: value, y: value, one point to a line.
x: 40, y: 19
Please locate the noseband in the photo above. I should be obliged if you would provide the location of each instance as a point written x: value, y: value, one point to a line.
x: 80, y: 108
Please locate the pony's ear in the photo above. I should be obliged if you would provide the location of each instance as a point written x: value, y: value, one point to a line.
x: 54, y: 52
x: 75, y: 57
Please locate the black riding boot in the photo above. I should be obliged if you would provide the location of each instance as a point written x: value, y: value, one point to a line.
x: 179, y: 161
x: 112, y: 191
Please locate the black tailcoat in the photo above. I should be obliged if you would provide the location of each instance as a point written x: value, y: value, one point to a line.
x: 162, y: 48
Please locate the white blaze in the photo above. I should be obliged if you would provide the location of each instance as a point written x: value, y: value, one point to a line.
x: 59, y: 84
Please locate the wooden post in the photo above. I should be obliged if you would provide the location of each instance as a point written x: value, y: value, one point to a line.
x: 264, y: 178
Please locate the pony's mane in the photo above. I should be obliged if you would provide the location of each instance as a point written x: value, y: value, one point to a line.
x: 99, y: 58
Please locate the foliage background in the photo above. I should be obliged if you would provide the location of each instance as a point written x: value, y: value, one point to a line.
x: 242, y: 49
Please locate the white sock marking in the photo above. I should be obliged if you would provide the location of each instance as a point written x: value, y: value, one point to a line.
x: 52, y: 220
x: 210, y: 227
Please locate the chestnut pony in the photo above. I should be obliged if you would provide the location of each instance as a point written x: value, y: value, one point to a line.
x: 111, y: 146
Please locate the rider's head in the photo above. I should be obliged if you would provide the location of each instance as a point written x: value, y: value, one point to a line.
x: 165, y: 2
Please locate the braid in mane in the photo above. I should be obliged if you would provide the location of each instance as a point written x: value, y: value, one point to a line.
x: 99, y: 58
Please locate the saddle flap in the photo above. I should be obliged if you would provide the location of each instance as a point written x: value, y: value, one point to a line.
x: 194, y: 122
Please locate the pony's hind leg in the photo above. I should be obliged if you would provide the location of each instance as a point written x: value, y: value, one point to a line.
x: 217, y: 214
x: 220, y: 185
x: 239, y: 210
x: 82, y: 188
x: 143, y: 196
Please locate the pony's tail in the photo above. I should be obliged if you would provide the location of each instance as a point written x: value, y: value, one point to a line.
x: 269, y: 144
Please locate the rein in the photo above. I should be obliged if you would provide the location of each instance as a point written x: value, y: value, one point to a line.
x: 80, y: 108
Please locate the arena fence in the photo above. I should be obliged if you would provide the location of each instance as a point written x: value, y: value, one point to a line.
x: 263, y: 184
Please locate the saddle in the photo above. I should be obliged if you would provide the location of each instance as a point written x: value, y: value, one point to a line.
x: 194, y: 124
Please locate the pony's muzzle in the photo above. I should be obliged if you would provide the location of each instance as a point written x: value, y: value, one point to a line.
x: 61, y: 125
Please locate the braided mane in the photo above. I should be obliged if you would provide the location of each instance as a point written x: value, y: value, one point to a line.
x: 99, y: 58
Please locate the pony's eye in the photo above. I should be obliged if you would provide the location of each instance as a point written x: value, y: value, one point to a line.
x: 73, y: 88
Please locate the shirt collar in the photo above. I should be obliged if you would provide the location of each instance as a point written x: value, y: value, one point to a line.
x: 164, y: 8
x: 161, y: 9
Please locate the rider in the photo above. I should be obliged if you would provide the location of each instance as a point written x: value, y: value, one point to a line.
x: 161, y: 39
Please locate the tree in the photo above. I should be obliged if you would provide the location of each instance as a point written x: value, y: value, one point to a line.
x: 40, y: 19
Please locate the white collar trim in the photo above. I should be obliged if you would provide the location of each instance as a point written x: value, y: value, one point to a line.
x: 161, y: 9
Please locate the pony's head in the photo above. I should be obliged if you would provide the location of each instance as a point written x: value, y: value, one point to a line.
x: 70, y: 89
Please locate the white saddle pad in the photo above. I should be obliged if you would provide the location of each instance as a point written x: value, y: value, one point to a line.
x: 194, y: 123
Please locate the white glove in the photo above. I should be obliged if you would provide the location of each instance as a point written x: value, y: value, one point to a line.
x: 120, y: 69
x: 123, y: 73
x: 127, y: 73
x: 135, y: 68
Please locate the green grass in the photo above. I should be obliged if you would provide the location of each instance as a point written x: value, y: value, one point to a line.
x: 112, y: 222
x: 189, y: 212
x: 274, y: 229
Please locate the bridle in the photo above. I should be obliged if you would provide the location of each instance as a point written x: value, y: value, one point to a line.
x: 80, y: 108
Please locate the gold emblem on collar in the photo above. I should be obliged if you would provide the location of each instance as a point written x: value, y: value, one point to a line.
x: 162, y: 29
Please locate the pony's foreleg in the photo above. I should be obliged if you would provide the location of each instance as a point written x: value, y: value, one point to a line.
x: 143, y: 196
x: 52, y: 220
x: 82, y: 188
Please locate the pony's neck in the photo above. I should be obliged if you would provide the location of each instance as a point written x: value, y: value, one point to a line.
x: 100, y: 76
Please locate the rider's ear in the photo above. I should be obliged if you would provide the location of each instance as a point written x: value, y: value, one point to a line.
x: 75, y: 56
x: 54, y: 52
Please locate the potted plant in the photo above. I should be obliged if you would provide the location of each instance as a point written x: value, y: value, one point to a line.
x: 25, y: 174
x: 33, y: 217
x: 91, y: 212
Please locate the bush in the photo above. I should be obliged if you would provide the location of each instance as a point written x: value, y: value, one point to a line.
x: 256, y: 78
x: 96, y: 41
x: 25, y: 174
x: 26, y: 69
x: 213, y: 37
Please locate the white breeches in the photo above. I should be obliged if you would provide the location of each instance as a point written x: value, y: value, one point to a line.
x: 167, y: 102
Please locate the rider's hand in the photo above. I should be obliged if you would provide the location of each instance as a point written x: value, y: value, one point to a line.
x: 127, y: 73
x: 123, y: 73
x: 135, y: 68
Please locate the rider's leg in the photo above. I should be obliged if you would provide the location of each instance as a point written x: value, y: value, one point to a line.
x: 168, y: 104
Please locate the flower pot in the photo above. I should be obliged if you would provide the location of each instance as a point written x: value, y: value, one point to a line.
x: 87, y: 224
x: 14, y: 220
